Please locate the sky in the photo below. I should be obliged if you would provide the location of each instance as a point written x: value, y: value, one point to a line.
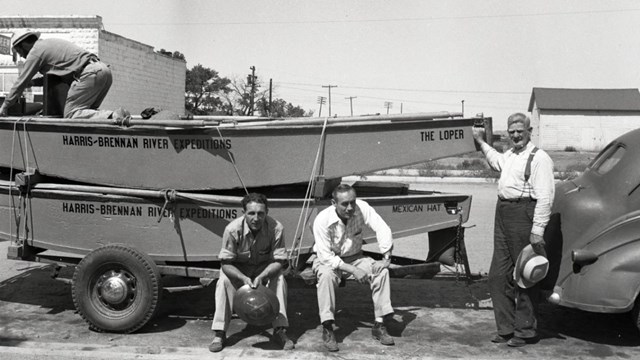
x: 417, y: 56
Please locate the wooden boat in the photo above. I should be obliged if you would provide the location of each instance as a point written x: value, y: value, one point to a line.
x: 182, y: 231
x: 216, y: 153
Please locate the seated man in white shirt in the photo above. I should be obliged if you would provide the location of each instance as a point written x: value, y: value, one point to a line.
x: 337, y: 231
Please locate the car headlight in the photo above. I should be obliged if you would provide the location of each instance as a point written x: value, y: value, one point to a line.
x: 582, y: 258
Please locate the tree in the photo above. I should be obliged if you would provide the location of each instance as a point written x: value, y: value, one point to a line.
x: 281, y: 108
x: 203, y: 91
x: 238, y: 101
x: 239, y: 98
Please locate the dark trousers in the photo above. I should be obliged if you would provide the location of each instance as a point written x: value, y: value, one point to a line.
x: 514, y: 308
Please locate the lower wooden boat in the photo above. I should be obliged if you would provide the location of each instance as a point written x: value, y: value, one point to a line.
x: 186, y: 228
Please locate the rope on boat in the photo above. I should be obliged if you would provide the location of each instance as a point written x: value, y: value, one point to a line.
x: 294, y: 253
x: 169, y: 196
x: 233, y: 161
x: 18, y: 215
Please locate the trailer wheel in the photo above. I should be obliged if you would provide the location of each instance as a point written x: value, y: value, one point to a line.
x: 116, y: 288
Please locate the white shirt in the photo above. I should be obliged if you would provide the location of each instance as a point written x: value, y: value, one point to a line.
x: 334, y: 239
x: 512, y: 185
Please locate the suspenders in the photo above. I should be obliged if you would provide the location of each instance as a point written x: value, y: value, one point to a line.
x: 527, y: 169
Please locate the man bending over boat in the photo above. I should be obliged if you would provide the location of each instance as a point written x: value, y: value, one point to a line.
x: 337, y: 231
x: 253, y: 253
x: 89, y: 79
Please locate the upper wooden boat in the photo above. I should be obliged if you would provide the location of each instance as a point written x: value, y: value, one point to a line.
x: 214, y: 153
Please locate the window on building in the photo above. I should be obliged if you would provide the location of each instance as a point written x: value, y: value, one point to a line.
x: 7, y: 81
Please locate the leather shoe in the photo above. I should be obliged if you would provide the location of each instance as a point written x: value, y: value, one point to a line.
x: 280, y: 337
x: 218, y: 341
x: 519, y: 342
x: 379, y: 332
x: 501, y: 339
x: 329, y: 339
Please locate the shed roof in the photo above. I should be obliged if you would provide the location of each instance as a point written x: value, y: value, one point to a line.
x: 585, y: 99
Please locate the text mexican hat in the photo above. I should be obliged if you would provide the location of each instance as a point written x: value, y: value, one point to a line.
x: 530, y: 268
x: 21, y: 35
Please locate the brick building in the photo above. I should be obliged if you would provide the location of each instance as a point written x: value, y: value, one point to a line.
x: 585, y: 119
x: 142, y: 78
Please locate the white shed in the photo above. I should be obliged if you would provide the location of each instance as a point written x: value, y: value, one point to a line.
x: 585, y: 119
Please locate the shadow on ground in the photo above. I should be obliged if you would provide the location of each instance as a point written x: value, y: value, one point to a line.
x: 36, y: 287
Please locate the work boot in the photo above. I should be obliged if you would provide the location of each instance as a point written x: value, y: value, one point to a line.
x: 218, y: 341
x: 329, y: 339
x: 379, y: 332
x: 281, y: 338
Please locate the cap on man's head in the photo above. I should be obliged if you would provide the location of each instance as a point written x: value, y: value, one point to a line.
x: 21, y: 35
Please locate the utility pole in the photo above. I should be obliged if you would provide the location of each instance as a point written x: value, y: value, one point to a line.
x: 321, y: 102
x: 329, y: 86
x: 462, y: 108
x: 388, y: 105
x: 351, y: 102
x: 251, y: 80
x: 270, y: 91
x: 401, y: 106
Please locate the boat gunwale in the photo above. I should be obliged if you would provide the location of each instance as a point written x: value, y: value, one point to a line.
x: 20, y: 122
x: 129, y: 194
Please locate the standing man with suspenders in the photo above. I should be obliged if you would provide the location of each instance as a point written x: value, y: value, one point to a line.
x: 525, y: 195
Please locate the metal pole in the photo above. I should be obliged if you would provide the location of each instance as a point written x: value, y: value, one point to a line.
x: 351, y: 102
x: 329, y: 86
x: 388, y: 104
x: 252, y: 77
x: 270, y: 92
x: 321, y: 102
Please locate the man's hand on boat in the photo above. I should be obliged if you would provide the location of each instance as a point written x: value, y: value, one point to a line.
x: 4, y: 110
x: 478, y: 133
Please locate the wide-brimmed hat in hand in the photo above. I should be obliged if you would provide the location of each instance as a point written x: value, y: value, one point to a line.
x: 530, y: 268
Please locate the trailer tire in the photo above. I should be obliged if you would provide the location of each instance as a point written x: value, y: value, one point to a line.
x: 116, y: 288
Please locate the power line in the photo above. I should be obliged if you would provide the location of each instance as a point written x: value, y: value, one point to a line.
x: 341, y: 21
x: 490, y: 104
x: 421, y: 90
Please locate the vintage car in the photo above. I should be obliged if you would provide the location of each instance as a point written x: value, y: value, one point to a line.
x: 593, y: 237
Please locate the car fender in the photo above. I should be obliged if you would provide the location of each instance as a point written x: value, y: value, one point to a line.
x: 611, y: 283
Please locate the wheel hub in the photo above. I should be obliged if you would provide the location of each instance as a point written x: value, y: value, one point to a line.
x: 114, y: 288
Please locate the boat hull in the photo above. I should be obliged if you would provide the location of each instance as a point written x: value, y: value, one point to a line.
x: 225, y: 156
x: 187, y: 230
